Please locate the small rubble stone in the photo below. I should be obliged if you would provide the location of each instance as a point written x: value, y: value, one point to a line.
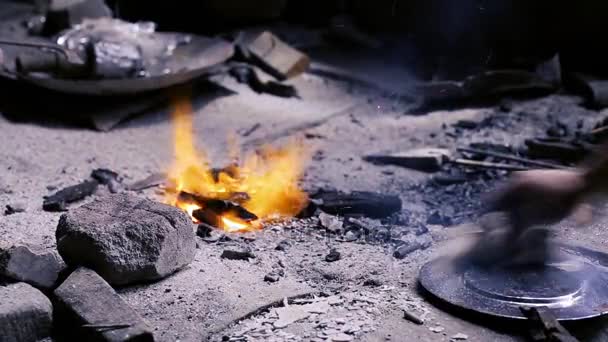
x: 127, y: 239
x: 25, y: 313
x: 459, y: 337
x: 341, y: 337
x: 274, y: 276
x: 37, y: 268
x: 350, y: 236
x: 282, y: 245
x: 372, y: 283
x: 330, y: 222
x: 437, y: 329
x: 333, y: 255
x: 233, y: 254
x: 85, y: 298
x: 15, y: 208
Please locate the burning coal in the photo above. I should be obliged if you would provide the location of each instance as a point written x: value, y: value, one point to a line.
x: 262, y: 186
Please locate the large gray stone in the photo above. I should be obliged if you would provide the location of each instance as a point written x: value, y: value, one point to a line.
x: 25, y: 313
x: 127, y: 239
x: 87, y: 306
x: 38, y: 268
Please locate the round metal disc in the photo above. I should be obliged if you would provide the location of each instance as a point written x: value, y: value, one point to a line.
x: 574, y: 288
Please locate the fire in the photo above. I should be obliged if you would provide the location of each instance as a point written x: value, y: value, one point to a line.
x: 265, y: 183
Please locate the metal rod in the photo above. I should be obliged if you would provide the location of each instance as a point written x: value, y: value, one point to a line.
x: 488, y: 165
x: 512, y: 158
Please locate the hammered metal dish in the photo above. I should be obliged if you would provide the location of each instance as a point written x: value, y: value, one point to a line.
x: 576, y: 287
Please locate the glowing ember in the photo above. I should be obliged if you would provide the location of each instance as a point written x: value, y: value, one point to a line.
x: 265, y: 183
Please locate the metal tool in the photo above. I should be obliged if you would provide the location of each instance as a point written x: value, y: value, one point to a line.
x: 572, y: 284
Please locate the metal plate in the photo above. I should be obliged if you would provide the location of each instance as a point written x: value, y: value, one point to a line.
x: 574, y: 288
x: 188, y: 62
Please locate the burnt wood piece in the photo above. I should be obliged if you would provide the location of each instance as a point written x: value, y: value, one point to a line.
x: 153, y: 180
x: 363, y: 203
x: 556, y: 149
x: 58, y: 200
x: 544, y: 323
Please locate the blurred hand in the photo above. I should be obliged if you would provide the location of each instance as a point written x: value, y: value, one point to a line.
x: 539, y: 197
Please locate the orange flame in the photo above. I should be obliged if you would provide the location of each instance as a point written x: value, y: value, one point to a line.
x: 269, y: 177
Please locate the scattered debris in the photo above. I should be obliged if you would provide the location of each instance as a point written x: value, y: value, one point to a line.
x: 333, y: 255
x: 85, y: 298
x: 26, y: 314
x: 437, y: 329
x: 412, y: 317
x: 330, y: 222
x: 363, y: 203
x: 127, y: 239
x: 151, y: 181
x: 40, y: 269
x: 59, y: 200
x: 293, y: 313
x: 459, y: 337
x: 233, y: 254
x: 485, y: 153
x: 274, y: 56
x: 14, y: 208
x: 422, y: 159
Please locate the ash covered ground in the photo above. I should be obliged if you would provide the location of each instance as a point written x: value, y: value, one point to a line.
x: 297, y: 292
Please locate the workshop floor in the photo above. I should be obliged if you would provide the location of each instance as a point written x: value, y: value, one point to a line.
x: 345, y: 122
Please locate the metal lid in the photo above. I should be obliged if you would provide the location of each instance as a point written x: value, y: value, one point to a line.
x: 573, y: 287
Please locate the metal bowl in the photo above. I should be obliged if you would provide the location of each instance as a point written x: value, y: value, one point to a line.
x: 574, y: 286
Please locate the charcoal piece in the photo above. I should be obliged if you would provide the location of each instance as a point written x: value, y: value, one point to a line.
x: 233, y: 254
x: 59, y: 200
x: 556, y: 149
x: 14, y: 208
x: 127, y: 239
x: 372, y: 282
x: 86, y: 304
x: 363, y: 203
x: 26, y: 314
x: 151, y: 181
x: 247, y: 75
x: 422, y: 159
x: 204, y: 230
x: 466, y: 124
x: 450, y: 179
x: 104, y: 176
x: 405, y: 249
x: 38, y: 268
x: 333, y: 255
x: 594, y: 90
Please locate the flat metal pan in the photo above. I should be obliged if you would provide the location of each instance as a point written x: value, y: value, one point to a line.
x: 575, y: 287
x: 189, y: 61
